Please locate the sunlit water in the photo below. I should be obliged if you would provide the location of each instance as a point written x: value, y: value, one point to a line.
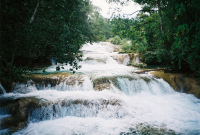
x: 131, y: 103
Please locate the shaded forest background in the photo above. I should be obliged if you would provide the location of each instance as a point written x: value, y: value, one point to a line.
x: 32, y: 32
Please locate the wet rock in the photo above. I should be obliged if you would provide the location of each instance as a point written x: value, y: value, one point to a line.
x: 142, y: 71
x: 43, y: 81
x: 139, y: 65
x: 111, y: 102
x: 134, y: 57
x: 135, y: 61
x: 95, y: 59
x: 102, y: 102
x: 58, y: 68
x: 72, y: 80
x: 101, y: 84
x: 19, y: 110
x: 117, y: 49
x: 121, y: 58
x: 180, y: 82
x: 146, y: 129
x: 105, y: 82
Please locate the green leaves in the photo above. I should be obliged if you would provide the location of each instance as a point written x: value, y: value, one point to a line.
x: 58, y: 31
x: 170, y: 35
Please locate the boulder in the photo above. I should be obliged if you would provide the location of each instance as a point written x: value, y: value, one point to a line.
x: 19, y: 108
x: 101, y: 84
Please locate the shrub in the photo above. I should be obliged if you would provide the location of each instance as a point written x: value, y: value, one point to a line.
x: 126, y: 47
x: 116, y: 40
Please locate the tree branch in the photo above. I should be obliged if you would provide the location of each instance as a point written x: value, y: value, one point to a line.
x: 35, y: 11
x: 141, y: 11
x: 160, y: 15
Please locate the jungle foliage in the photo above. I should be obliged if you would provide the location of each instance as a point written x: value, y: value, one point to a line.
x: 101, y: 26
x: 165, y: 32
x: 34, y: 31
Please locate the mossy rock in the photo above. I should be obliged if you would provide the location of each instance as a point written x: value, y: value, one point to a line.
x: 101, y: 84
x: 152, y: 130
x: 139, y: 65
x: 95, y: 59
x: 48, y: 78
x: 48, y: 75
x: 105, y: 82
x: 19, y: 109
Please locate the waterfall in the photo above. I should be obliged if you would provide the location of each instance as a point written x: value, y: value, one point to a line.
x: 2, y: 89
x: 140, y: 85
x: 103, y: 97
x: 126, y: 60
x: 137, y: 59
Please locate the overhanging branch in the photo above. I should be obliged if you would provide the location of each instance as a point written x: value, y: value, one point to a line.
x: 141, y: 11
x: 35, y: 11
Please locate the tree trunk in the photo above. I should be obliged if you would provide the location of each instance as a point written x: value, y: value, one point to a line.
x: 13, y: 56
x: 160, y: 16
x: 35, y: 11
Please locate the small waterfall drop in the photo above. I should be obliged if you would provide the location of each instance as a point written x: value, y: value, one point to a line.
x: 126, y: 60
x: 137, y: 59
x: 2, y: 89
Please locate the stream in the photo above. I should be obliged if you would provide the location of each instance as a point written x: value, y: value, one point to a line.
x: 104, y: 97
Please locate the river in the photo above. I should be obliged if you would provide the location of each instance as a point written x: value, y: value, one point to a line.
x: 104, y: 97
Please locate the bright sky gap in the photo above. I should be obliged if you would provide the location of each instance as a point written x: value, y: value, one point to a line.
x: 107, y: 9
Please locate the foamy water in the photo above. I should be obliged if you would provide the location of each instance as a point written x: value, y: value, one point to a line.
x: 98, y: 60
x: 138, y: 104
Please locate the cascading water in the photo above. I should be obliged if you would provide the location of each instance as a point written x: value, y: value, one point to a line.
x: 103, y: 97
x: 2, y: 90
x: 137, y: 59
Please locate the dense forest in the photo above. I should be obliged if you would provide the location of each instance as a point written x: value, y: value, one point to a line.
x: 32, y: 32
x: 165, y: 32
x: 35, y: 31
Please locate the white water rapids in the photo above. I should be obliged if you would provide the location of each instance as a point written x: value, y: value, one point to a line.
x: 131, y: 104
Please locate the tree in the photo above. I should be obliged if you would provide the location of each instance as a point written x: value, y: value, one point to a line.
x: 100, y: 26
x: 34, y: 31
